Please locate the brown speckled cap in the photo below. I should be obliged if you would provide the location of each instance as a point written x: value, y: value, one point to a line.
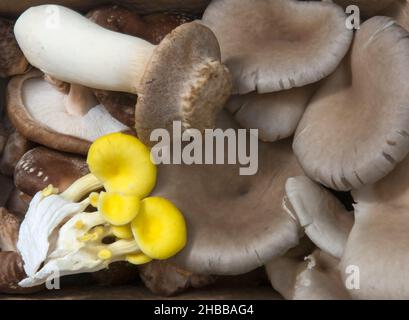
x: 183, y: 81
x: 41, y: 167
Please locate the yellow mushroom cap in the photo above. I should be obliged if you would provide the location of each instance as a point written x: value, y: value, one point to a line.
x: 123, y: 164
x: 118, y: 209
x: 138, y: 258
x: 122, y: 232
x: 159, y: 228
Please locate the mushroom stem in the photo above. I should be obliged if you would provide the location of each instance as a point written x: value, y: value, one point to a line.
x: 80, y: 51
x: 80, y: 100
x: 121, y: 248
x: 82, y: 187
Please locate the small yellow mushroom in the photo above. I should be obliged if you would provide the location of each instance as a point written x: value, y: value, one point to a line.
x: 138, y: 258
x: 123, y: 164
x: 159, y: 228
x: 122, y: 232
x: 118, y: 209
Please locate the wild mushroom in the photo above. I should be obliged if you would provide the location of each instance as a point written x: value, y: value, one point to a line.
x: 18, y: 203
x: 12, y: 60
x: 261, y: 41
x: 275, y: 115
x: 244, y: 215
x: 9, y: 226
x: 66, y: 121
x: 324, y: 219
x: 368, y: 8
x: 354, y: 130
x: 180, y: 79
x: 377, y: 243
x: 41, y: 167
x: 15, y: 148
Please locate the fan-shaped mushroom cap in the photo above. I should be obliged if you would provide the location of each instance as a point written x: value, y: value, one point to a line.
x: 379, y: 239
x: 261, y: 41
x: 355, y: 129
x: 324, y: 219
x: 12, y: 60
x: 368, y: 8
x: 235, y: 223
x: 41, y: 167
x: 315, y: 278
x: 275, y: 115
x: 39, y: 111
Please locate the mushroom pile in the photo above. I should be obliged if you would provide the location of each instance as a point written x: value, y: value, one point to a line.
x: 85, y: 84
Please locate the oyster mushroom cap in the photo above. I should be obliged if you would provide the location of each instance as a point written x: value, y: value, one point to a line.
x: 180, y: 79
x: 275, y: 115
x: 41, y: 167
x: 42, y: 114
x: 315, y: 278
x: 261, y: 40
x: 325, y: 221
x: 12, y: 60
x: 355, y: 129
x: 244, y: 215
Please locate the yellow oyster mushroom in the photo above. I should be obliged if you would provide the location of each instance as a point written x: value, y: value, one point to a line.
x: 138, y: 258
x: 122, y: 232
x: 159, y: 228
x: 118, y: 209
x: 123, y: 164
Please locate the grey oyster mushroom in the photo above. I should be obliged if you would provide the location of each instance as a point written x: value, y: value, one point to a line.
x: 245, y: 215
x: 179, y: 79
x: 355, y: 129
x: 261, y: 41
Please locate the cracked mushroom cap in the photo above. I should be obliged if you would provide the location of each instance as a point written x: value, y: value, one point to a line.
x: 275, y: 115
x: 316, y: 277
x: 261, y: 41
x: 368, y: 8
x: 41, y: 167
x: 41, y: 113
x: 12, y: 60
x: 355, y: 129
x: 325, y: 220
x: 378, y: 241
x: 184, y: 81
x: 235, y: 223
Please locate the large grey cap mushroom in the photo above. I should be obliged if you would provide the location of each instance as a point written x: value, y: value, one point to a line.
x: 67, y: 121
x: 275, y: 115
x: 272, y: 45
x: 180, y: 79
x: 378, y: 244
x: 236, y: 223
x: 355, y: 129
x: 325, y: 221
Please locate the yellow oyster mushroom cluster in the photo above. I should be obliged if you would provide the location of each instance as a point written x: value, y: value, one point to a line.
x: 124, y: 166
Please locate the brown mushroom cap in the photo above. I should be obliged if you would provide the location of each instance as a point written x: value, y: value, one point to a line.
x: 399, y: 11
x: 18, y: 203
x: 368, y: 8
x: 6, y: 187
x: 184, y: 81
x: 261, y: 41
x: 37, y: 109
x: 355, y: 129
x: 41, y: 167
x: 275, y: 115
x: 9, y: 227
x: 166, y: 279
x: 16, y: 147
x: 235, y: 223
x: 12, y: 60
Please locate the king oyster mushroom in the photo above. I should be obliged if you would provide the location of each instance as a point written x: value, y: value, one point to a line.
x: 354, y: 131
x: 245, y: 215
x: 180, y: 79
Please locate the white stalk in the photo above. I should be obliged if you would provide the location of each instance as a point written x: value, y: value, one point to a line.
x: 67, y: 46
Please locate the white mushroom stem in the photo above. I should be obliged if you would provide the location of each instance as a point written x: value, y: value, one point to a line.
x: 83, y: 186
x: 64, y: 44
x: 80, y: 100
x: 325, y: 221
